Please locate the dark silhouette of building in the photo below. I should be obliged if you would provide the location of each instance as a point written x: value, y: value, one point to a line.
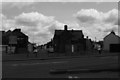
x: 69, y: 41
x: 2, y: 38
x: 17, y: 39
x: 22, y: 40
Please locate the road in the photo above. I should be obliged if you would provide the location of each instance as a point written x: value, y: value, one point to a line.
x: 42, y: 68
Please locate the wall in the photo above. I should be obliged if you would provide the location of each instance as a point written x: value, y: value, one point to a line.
x: 111, y: 39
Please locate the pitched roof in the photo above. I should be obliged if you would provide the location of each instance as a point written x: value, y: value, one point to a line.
x: 111, y: 33
x: 15, y: 32
x: 19, y: 34
x: 9, y: 32
x: 75, y: 33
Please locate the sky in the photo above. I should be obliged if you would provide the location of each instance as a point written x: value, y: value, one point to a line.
x: 39, y: 19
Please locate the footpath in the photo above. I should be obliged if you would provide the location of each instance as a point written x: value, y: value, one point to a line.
x: 44, y: 56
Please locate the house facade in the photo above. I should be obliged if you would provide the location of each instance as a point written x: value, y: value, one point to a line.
x: 68, y: 41
x: 16, y: 39
x: 111, y: 42
x: 20, y: 40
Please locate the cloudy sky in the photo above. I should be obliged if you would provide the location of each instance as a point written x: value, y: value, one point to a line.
x: 39, y: 19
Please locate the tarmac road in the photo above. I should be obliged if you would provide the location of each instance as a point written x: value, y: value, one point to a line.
x: 42, y: 68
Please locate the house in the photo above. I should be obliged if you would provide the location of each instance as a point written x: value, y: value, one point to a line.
x: 3, y: 42
x: 16, y: 39
x: 68, y: 41
x: 111, y: 42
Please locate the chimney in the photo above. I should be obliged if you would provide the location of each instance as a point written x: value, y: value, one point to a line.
x: 65, y: 27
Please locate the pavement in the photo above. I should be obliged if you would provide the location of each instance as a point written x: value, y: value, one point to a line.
x: 44, y: 56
